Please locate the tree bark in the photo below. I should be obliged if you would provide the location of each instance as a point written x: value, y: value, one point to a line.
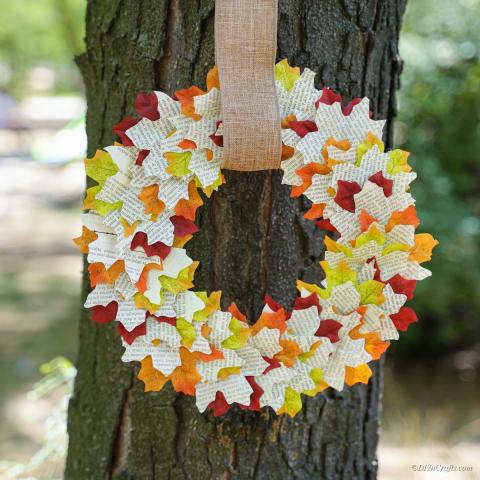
x: 253, y: 240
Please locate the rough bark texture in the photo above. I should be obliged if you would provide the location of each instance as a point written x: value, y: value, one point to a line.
x: 253, y: 240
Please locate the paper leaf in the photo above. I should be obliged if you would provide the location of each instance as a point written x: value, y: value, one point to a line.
x: 405, y: 217
x: 178, y: 163
x: 183, y: 282
x: 104, y: 314
x: 398, y: 162
x: 345, y: 192
x: 402, y: 286
x: 186, y: 331
x: 286, y: 74
x: 359, y: 374
x: 293, y: 402
x: 383, y: 182
x: 404, y: 318
x: 185, y: 377
x: 100, y: 167
x: 120, y: 129
x: 371, y: 292
x: 147, y: 106
x: 153, y: 379
x: 149, y: 196
x: 329, y: 329
x: 421, y: 252
x: 87, y: 237
x: 291, y: 350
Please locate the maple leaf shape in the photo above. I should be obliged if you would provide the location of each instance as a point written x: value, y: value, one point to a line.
x: 183, y: 226
x: 329, y: 97
x: 142, y: 155
x: 292, y: 404
x: 187, y: 208
x: 187, y: 104
x: 254, y: 397
x: 329, y: 328
x: 219, y: 406
x: 99, y: 274
x: 129, y: 337
x: 153, y: 379
x: 302, y: 303
x: 217, y: 139
x: 326, y: 225
x: 87, y: 237
x: 147, y: 106
x: 365, y: 220
x: 303, y: 127
x: 178, y: 163
x: 358, y: 374
x: 272, y: 364
x: 371, y: 292
x: 382, y: 182
x: 104, y: 314
x: 405, y: 217
x: 306, y: 174
x: 185, y: 377
x: 236, y: 313
x: 286, y: 75
x: 158, y: 248
x: 291, y: 350
x: 421, y: 251
x: 345, y: 192
x: 398, y: 162
x: 403, y: 318
x: 271, y: 320
x: 316, y: 211
x: 213, y: 80
x: 270, y: 302
x: 401, y: 286
x: 149, y: 197
x: 120, y: 129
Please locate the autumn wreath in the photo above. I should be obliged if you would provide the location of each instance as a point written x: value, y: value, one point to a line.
x: 141, y: 213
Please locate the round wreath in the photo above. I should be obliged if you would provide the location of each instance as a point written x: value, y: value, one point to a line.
x: 141, y: 213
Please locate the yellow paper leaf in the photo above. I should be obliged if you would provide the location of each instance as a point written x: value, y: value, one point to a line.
x: 293, y: 402
x: 212, y: 304
x: 186, y: 331
x: 183, y: 282
x: 395, y: 247
x: 398, y: 162
x: 371, y: 292
x: 240, y: 331
x: 178, y: 163
x: 286, y: 74
x: 372, y: 234
x: 368, y: 143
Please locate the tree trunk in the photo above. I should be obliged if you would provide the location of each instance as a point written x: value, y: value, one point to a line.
x: 253, y: 240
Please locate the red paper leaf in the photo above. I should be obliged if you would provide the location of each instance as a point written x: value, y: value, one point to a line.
x: 101, y: 314
x: 120, y: 129
x: 346, y: 191
x: 158, y: 248
x: 402, y: 286
x: 273, y: 364
x: 183, y: 226
x: 301, y: 303
x: 129, y: 337
x: 142, y: 155
x: 219, y: 406
x: 303, y: 127
x: 329, y: 329
x: 147, y: 106
x: 383, y: 182
x: 269, y: 301
x: 170, y: 320
x: 404, y: 318
x: 329, y: 97
x: 254, y: 397
x: 217, y: 139
x: 326, y: 225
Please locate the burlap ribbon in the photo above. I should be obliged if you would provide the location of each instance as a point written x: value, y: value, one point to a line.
x: 245, y: 49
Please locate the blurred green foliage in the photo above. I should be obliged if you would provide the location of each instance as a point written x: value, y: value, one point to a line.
x: 438, y: 121
x: 40, y: 33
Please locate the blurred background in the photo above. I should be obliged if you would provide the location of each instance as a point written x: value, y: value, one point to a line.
x: 431, y: 410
